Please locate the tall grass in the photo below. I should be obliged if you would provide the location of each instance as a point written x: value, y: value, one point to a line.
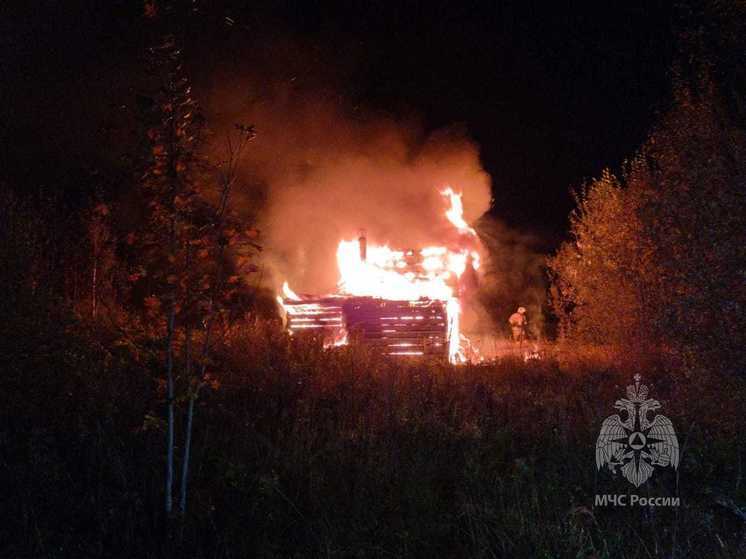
x: 303, y: 452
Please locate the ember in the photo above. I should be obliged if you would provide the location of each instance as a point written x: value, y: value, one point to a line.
x: 403, y: 302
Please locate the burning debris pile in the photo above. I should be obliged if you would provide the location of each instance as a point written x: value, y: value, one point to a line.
x: 406, y: 303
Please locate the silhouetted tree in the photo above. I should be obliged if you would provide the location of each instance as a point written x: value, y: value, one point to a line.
x: 191, y: 252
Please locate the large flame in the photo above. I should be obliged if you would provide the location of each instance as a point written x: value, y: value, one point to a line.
x: 390, y: 273
x: 455, y: 213
x: 432, y: 272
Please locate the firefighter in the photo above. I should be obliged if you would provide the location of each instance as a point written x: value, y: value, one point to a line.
x: 518, y: 323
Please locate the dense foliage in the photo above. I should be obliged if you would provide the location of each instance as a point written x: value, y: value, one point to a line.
x: 656, y: 262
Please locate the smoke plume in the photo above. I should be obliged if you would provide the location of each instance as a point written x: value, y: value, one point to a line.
x: 327, y: 171
x: 320, y: 170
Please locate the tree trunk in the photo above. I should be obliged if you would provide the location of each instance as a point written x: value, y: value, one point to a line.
x: 227, y: 182
x: 190, y: 409
x: 94, y: 279
x: 170, y: 403
x: 190, y: 416
x: 187, y: 451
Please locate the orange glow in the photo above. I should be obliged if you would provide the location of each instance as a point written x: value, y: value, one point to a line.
x: 432, y: 272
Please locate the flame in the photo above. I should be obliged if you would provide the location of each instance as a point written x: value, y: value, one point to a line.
x: 289, y: 293
x: 394, y: 274
x: 453, y: 308
x: 432, y: 272
x: 455, y: 213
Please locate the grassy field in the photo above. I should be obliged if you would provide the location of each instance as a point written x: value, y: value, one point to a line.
x: 301, y: 452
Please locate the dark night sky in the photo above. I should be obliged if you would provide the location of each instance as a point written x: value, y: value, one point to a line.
x: 551, y: 95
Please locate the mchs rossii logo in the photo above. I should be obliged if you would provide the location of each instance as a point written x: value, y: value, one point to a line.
x: 634, y: 444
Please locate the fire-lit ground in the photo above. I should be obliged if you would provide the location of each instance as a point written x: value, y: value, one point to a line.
x: 488, y: 348
x: 340, y: 453
x: 407, y: 302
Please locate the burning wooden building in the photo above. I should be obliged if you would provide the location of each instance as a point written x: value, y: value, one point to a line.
x: 415, y: 328
x: 405, y: 303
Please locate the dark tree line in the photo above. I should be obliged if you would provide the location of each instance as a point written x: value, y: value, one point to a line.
x: 656, y: 263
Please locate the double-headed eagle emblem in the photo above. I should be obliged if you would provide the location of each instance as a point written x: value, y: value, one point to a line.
x: 637, y: 444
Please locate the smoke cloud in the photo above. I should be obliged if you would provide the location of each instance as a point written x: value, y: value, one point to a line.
x: 320, y: 170
x: 327, y: 171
